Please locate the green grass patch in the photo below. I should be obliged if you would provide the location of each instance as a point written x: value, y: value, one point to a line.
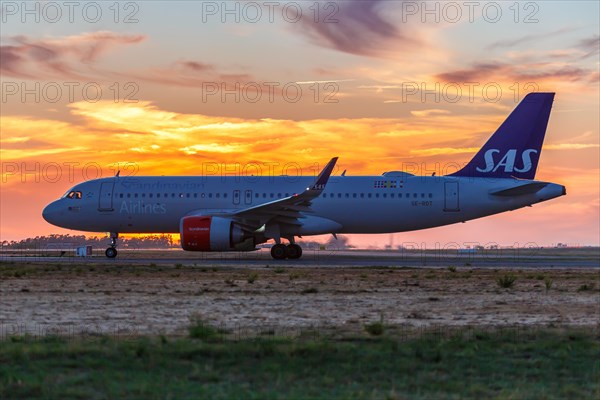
x: 506, y: 281
x: 544, y: 364
x: 586, y: 287
x: 202, y: 330
x: 375, y: 328
x: 252, y: 277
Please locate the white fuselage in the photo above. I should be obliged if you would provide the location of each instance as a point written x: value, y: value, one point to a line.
x: 393, y: 202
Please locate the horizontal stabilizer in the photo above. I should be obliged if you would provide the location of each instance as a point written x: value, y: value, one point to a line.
x: 528, y: 188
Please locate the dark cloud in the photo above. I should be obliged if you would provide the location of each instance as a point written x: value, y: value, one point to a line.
x: 473, y: 74
x: 518, y: 73
x: 11, y: 59
x: 528, y: 38
x: 591, y: 46
x: 67, y: 58
x: 357, y: 27
x: 195, y: 66
x: 564, y: 73
x: 190, y: 73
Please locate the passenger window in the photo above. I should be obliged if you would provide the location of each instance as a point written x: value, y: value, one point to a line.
x: 377, y: 195
x: 354, y: 195
x: 422, y: 195
x: 369, y: 195
x: 217, y: 195
x: 430, y: 195
x: 135, y: 195
x: 128, y: 195
x: 362, y: 195
x: 415, y: 195
x: 210, y: 195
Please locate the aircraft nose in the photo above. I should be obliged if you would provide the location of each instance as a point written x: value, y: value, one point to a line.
x: 52, y: 213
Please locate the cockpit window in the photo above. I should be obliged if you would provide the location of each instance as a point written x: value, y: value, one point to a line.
x: 73, y: 194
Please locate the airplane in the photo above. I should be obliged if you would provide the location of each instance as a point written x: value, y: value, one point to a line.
x: 230, y: 213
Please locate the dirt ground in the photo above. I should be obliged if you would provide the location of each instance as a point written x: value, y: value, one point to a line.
x: 39, y: 298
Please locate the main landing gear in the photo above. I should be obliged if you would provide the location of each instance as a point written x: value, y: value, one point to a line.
x: 111, y: 252
x: 280, y: 251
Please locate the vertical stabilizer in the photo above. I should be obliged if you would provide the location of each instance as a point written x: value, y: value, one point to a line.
x: 514, y: 149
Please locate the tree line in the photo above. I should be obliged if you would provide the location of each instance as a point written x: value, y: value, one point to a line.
x: 162, y: 241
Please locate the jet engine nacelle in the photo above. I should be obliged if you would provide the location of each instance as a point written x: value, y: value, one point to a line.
x: 200, y: 233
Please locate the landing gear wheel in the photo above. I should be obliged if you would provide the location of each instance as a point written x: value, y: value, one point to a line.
x: 293, y: 251
x: 279, y: 251
x: 111, y: 252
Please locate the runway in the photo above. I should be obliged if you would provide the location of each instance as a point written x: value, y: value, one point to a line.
x: 498, y: 259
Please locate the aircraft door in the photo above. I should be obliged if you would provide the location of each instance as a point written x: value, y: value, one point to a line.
x: 105, y: 201
x: 236, y: 197
x: 248, y: 197
x: 451, y: 198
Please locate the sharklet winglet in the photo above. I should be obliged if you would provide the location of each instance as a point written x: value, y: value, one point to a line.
x: 323, y: 177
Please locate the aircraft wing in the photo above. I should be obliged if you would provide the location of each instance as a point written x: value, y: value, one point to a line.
x: 285, y: 210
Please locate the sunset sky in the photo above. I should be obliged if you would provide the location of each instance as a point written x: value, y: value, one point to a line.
x: 175, y: 88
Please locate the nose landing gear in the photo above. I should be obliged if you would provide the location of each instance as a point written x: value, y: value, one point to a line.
x: 111, y: 252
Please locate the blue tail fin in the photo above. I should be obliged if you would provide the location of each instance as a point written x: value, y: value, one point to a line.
x: 514, y: 149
